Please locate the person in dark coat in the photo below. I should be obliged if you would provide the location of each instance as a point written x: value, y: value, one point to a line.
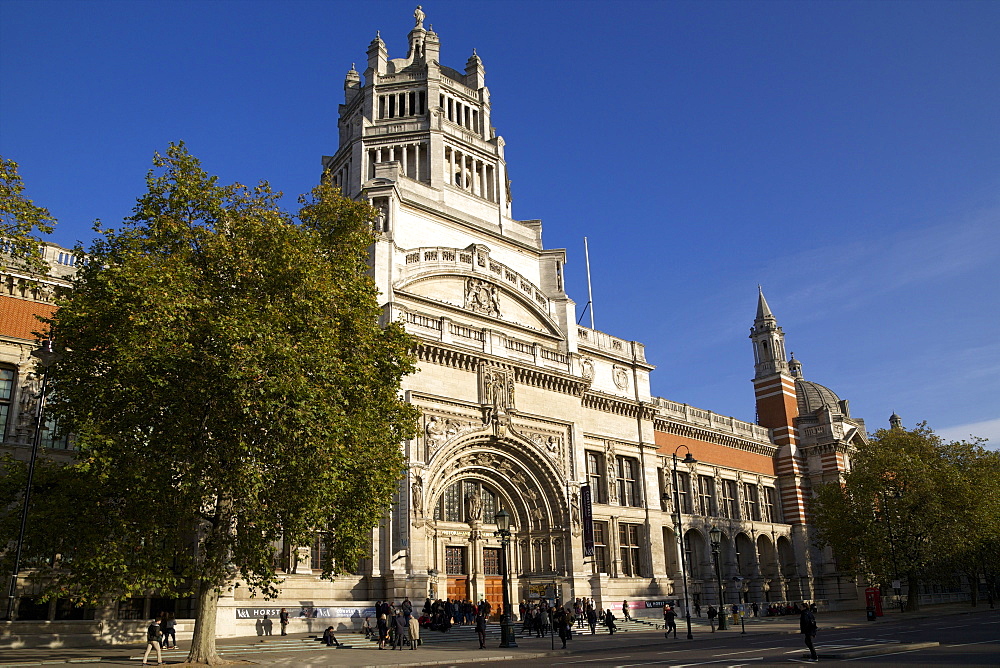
x: 329, y: 639
x: 609, y: 621
x: 383, y: 630
x: 402, y: 628
x: 712, y: 612
x: 807, y: 627
x: 283, y: 620
x: 669, y: 621
x: 481, y: 629
x: 592, y: 619
x: 153, y: 642
x: 564, y: 623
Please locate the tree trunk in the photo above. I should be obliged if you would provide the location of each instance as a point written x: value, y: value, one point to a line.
x: 974, y: 589
x: 913, y: 592
x: 203, y: 643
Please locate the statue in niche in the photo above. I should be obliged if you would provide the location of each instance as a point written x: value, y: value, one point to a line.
x: 612, y: 476
x: 574, y: 514
x: 417, y: 491
x: 473, y: 507
x: 382, y: 218
x: 29, y: 395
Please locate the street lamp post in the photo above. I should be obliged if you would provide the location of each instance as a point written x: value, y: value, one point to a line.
x: 46, y: 356
x: 716, y: 537
x: 892, y: 550
x: 502, y: 520
x: 688, y: 459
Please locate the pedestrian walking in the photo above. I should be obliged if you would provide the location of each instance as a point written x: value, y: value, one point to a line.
x: 283, y: 620
x: 712, y: 612
x: 609, y: 621
x: 592, y: 619
x: 481, y: 628
x: 697, y: 609
x: 755, y: 608
x: 168, y: 632
x: 669, y: 621
x: 564, y: 624
x: 807, y: 627
x: 625, y: 612
x: 153, y: 642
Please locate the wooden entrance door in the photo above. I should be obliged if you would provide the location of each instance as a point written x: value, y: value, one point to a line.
x: 494, y: 594
x: 458, y: 588
x: 458, y: 575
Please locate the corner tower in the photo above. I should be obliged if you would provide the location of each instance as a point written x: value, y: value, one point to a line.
x: 777, y: 407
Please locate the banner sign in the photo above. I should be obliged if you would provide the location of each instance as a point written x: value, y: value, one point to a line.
x: 306, y: 612
x: 587, y: 509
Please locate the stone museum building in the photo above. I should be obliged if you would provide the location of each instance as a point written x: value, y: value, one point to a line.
x: 521, y: 407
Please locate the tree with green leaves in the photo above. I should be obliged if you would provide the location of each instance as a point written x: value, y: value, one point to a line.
x: 230, y: 386
x: 906, y: 509
x: 20, y: 221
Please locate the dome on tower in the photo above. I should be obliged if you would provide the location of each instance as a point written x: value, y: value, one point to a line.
x: 813, y: 396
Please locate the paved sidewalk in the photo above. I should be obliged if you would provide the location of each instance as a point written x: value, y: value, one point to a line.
x: 298, y: 650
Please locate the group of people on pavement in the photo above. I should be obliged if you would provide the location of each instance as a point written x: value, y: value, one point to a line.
x: 160, y: 634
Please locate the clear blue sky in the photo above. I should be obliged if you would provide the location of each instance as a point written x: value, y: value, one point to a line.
x: 844, y: 155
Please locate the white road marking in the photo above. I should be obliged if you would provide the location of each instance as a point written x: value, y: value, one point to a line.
x: 607, y: 658
x: 749, y: 651
x: 981, y: 642
x: 908, y: 651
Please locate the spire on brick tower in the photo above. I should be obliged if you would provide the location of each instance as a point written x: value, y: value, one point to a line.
x: 768, y: 340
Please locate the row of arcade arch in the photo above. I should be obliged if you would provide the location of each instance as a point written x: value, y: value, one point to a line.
x: 753, y: 566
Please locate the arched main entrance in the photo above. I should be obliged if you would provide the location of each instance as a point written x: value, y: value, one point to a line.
x: 467, y: 484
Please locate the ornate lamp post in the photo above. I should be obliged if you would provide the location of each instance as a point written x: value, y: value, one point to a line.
x: 46, y: 357
x: 688, y: 459
x: 716, y: 537
x: 502, y: 520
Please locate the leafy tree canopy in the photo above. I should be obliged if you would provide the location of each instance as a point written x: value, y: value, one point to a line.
x: 20, y: 220
x: 229, y: 386
x: 909, y: 506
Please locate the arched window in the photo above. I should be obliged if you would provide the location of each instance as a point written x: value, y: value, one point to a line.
x: 453, y: 507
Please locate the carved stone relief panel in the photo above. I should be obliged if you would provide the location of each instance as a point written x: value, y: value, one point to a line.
x: 587, y: 368
x: 439, y: 429
x: 482, y: 296
x: 496, y: 387
x: 620, y: 375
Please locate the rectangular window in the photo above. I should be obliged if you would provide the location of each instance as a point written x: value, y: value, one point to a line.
x: 727, y: 506
x: 453, y: 504
x: 772, y: 513
x: 706, y: 495
x: 319, y: 555
x: 628, y: 540
x: 595, y: 476
x: 628, y: 482
x: 601, y: 547
x: 751, y: 502
x: 491, y: 561
x: 454, y: 560
x: 684, y: 492
x: 6, y: 399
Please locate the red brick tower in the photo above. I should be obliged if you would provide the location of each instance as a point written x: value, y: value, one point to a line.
x: 777, y: 408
